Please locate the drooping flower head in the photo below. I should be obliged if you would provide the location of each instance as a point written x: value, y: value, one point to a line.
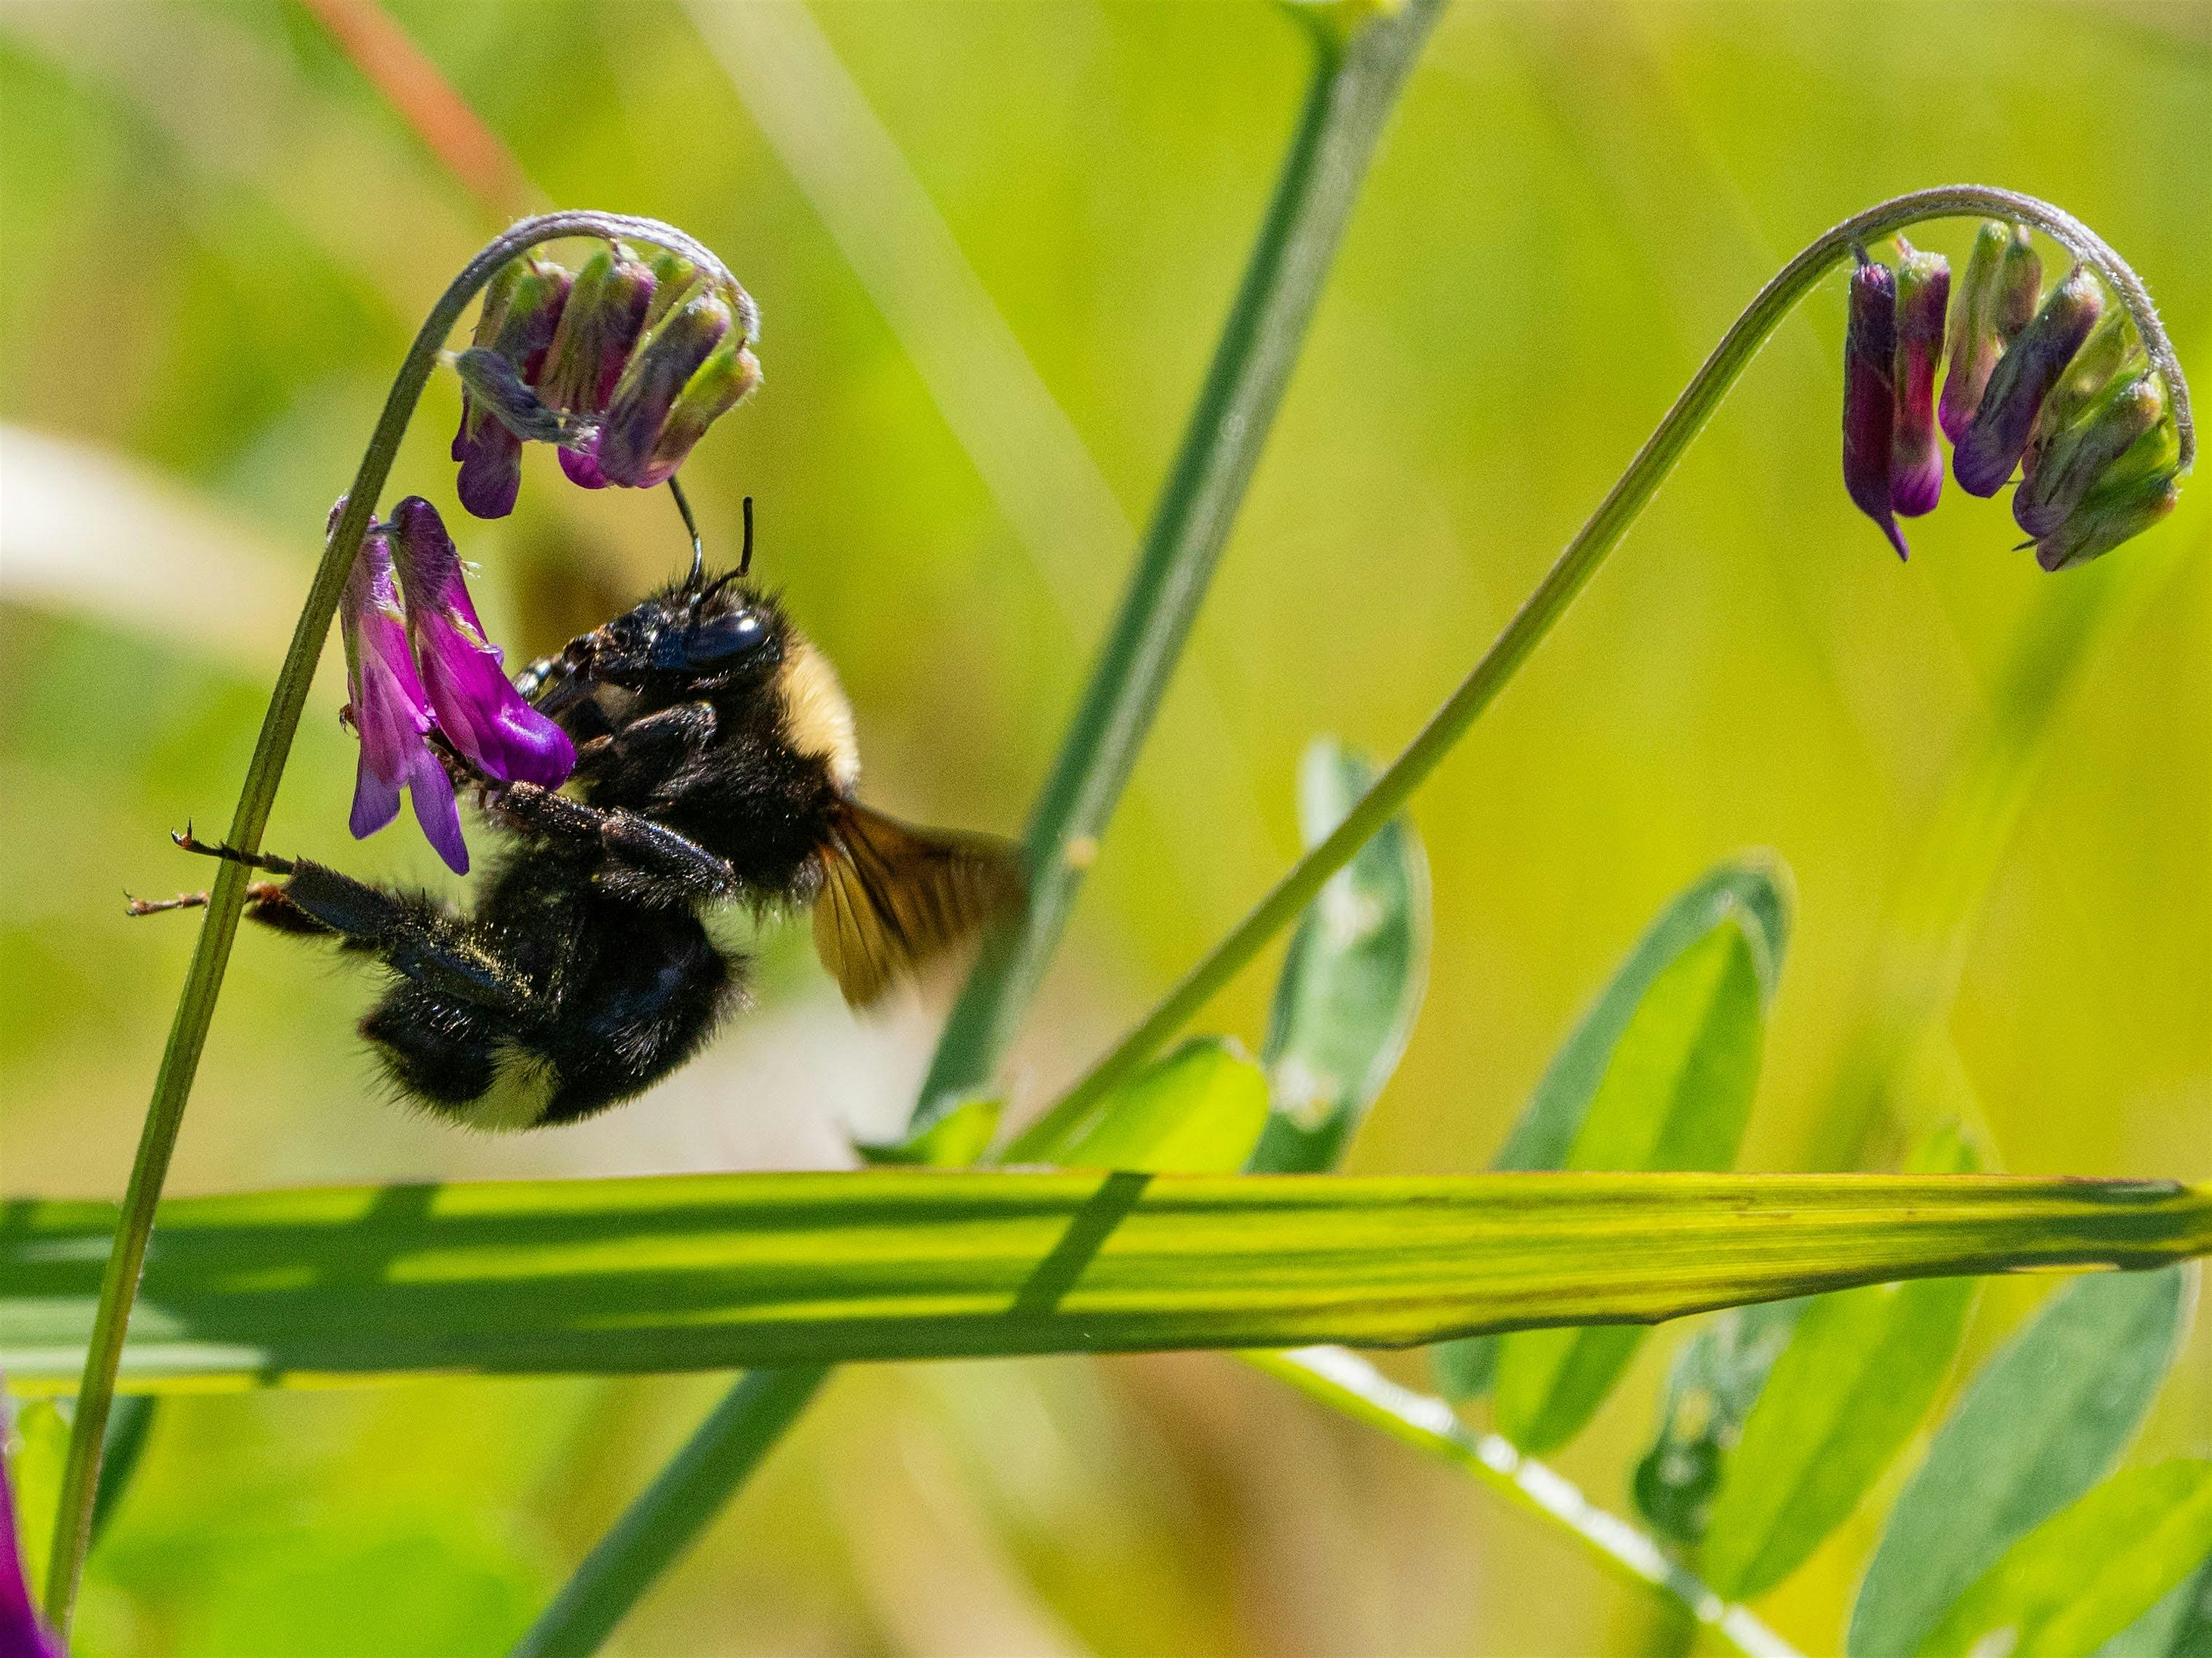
x: 390, y: 711
x: 481, y: 714
x: 1869, y: 394
x: 623, y: 367
x: 1992, y: 445
x: 1916, y: 468
x: 521, y: 313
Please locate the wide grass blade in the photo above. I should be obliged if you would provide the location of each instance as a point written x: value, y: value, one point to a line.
x: 2045, y: 1418
x: 2078, y: 1580
x: 718, y: 1271
x: 1351, y: 986
x: 1748, y: 898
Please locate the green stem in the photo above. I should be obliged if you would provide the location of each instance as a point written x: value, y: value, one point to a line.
x: 1355, y: 85
x: 668, y: 1515
x: 188, y: 1031
x: 1348, y: 1384
x: 1566, y: 578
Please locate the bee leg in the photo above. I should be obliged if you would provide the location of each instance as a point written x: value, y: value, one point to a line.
x: 650, y: 747
x: 649, y: 861
x: 188, y: 842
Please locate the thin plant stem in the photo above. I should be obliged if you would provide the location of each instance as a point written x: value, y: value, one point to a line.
x: 669, y: 1514
x: 1355, y: 86
x: 1566, y: 578
x: 1349, y: 1385
x: 226, y: 897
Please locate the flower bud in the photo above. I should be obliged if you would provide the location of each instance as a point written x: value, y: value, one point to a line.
x: 2109, y: 349
x: 672, y: 352
x: 602, y: 320
x: 2127, y: 502
x: 1974, y: 342
x: 2020, y: 284
x: 674, y: 278
x: 1992, y: 445
x: 2080, y: 453
x: 493, y: 385
x: 521, y: 313
x: 728, y: 377
x: 482, y: 715
x: 1869, y: 396
x: 1916, y: 466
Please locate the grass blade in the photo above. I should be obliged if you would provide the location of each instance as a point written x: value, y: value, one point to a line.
x: 1750, y: 898
x: 2080, y: 1579
x: 2044, y: 1420
x: 1351, y: 986
x: 744, y: 1270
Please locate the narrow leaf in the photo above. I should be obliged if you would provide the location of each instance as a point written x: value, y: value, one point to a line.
x: 2046, y: 1418
x: 953, y: 1140
x: 731, y: 1271
x: 2178, y: 1626
x: 1351, y: 984
x: 1197, y: 1112
x: 1754, y: 892
x: 1857, y: 1376
x: 1676, y: 1096
x: 1714, y: 1382
x: 2083, y: 1577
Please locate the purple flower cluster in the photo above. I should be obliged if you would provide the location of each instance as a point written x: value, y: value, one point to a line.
x: 417, y: 663
x: 623, y: 365
x: 2049, y: 386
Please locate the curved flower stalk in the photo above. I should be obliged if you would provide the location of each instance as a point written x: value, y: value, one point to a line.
x: 227, y: 894
x: 2128, y: 500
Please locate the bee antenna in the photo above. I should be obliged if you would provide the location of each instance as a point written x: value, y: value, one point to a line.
x: 698, y: 548
x: 745, y: 555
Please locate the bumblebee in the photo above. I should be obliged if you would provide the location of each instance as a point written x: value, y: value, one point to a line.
x: 715, y: 765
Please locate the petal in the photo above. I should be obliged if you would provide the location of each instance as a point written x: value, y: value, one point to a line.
x: 582, y: 463
x: 436, y: 810
x: 376, y: 801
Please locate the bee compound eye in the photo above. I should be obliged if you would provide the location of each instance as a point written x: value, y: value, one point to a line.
x: 726, y: 639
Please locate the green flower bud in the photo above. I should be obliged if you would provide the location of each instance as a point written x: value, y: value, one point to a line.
x: 2020, y: 284
x: 2080, y: 452
x: 2123, y: 506
x: 1973, y: 329
x: 604, y: 315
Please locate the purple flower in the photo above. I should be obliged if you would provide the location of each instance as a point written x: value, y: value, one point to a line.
x: 1869, y: 395
x: 673, y: 350
x: 481, y: 714
x: 521, y: 312
x: 1916, y: 466
x: 389, y: 711
x: 1992, y: 445
x: 599, y: 327
x: 21, y: 1633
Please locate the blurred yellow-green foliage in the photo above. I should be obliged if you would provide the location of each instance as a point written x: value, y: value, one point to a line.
x: 992, y: 244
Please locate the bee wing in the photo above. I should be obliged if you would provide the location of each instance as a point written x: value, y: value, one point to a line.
x: 892, y: 897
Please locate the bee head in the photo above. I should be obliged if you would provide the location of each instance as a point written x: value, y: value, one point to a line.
x: 686, y: 642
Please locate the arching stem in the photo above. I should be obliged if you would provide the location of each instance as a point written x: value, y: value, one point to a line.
x: 1576, y: 565
x: 180, y: 1060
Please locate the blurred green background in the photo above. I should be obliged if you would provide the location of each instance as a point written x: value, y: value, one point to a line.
x: 991, y: 245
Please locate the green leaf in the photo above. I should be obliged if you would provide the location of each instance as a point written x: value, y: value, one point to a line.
x: 1676, y: 1096
x: 2047, y: 1418
x: 730, y: 1272
x: 1714, y: 1382
x: 2178, y: 1626
x: 1859, y: 1373
x: 1749, y: 896
x: 1197, y: 1112
x: 953, y: 1140
x: 34, y: 1468
x: 2083, y: 1577
x: 1351, y: 986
